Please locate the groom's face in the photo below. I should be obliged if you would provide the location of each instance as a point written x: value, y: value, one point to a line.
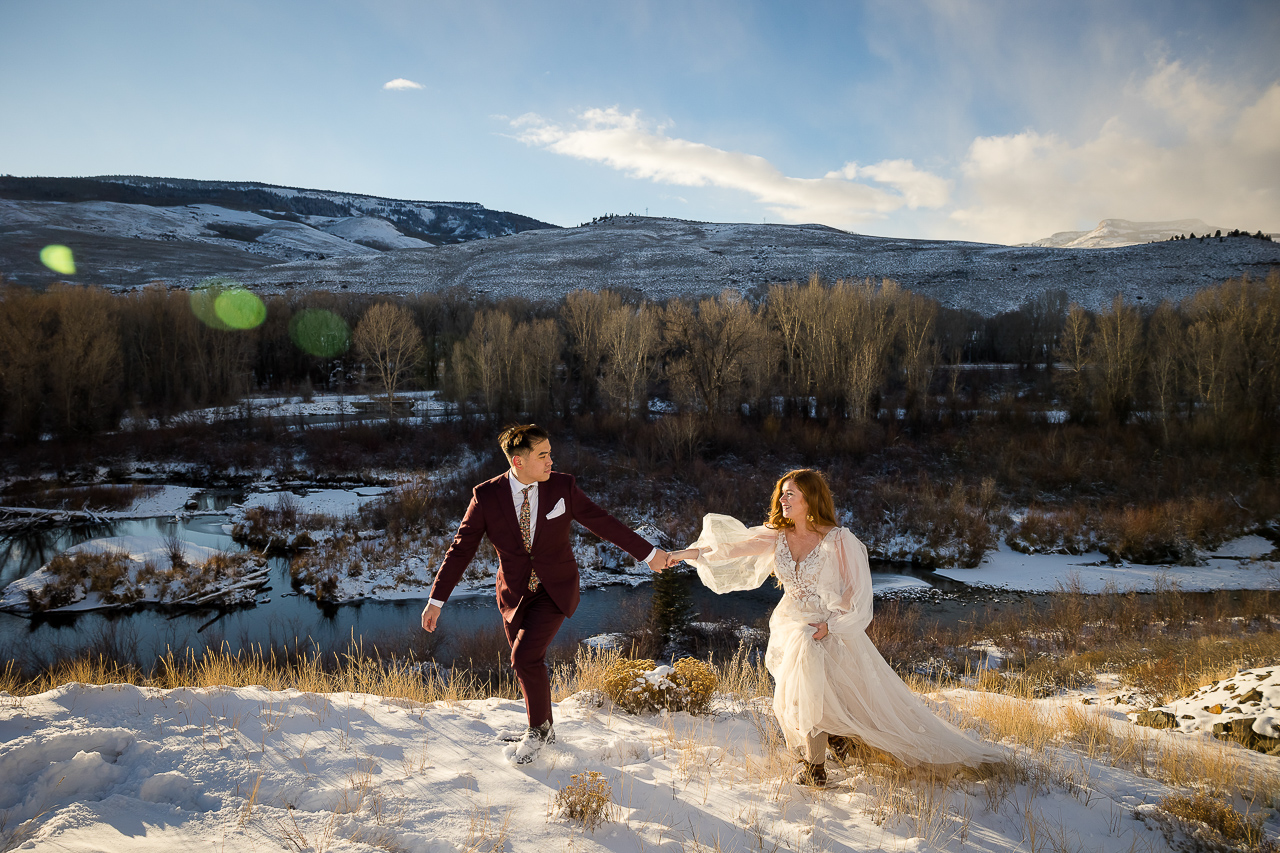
x: 535, y: 465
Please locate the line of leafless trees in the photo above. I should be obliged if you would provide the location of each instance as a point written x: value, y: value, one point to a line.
x: 75, y: 360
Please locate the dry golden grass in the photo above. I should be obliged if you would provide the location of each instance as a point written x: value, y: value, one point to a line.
x: 1044, y: 727
x: 306, y: 672
x: 1219, y: 816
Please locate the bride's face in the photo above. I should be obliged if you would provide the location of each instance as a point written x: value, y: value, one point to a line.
x: 793, y: 504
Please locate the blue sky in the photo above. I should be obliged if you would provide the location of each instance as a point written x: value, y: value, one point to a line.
x: 998, y: 121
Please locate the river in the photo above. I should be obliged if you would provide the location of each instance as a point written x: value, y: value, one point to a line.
x: 284, y: 619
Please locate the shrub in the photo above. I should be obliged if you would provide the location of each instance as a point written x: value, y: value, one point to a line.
x: 641, y: 686
x: 1046, y: 532
x: 413, y: 507
x: 1221, y: 818
x: 588, y: 799
x: 697, y: 682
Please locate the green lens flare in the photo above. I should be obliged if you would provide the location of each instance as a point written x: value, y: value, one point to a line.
x: 59, y: 259
x: 239, y: 309
x: 204, y: 301
x: 319, y: 332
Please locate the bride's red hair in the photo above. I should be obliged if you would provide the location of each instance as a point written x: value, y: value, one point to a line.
x: 822, y: 510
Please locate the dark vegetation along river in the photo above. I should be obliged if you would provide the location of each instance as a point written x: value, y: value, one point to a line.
x: 284, y: 619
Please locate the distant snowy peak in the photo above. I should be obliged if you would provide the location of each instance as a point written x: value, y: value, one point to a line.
x: 1113, y: 233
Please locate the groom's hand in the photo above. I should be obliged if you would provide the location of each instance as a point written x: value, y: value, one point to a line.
x: 429, y: 617
x: 659, y: 561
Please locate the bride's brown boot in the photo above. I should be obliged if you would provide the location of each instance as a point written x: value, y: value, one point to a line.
x: 841, y: 747
x: 812, y: 775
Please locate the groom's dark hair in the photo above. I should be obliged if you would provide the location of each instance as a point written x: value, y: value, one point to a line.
x: 521, y: 439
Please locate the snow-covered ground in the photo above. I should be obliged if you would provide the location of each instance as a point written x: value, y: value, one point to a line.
x: 176, y: 771
x: 1251, y: 697
x: 425, y: 404
x: 331, y: 502
x: 1233, y: 566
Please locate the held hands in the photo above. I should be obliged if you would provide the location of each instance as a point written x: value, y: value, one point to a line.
x: 821, y: 632
x: 681, y: 556
x: 660, y: 561
x: 666, y: 559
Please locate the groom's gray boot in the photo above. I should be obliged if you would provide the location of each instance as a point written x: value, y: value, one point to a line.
x: 533, y: 741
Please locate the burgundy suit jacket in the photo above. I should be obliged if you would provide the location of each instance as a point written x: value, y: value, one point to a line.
x: 492, y: 512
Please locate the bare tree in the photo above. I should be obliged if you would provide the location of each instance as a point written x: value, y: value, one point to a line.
x: 534, y: 353
x: 1073, y: 356
x: 583, y: 314
x: 869, y: 338
x: 389, y: 340
x: 1234, y: 327
x: 84, y: 359
x: 1116, y: 349
x: 713, y: 345
x: 1165, y: 345
x: 631, y: 340
x: 484, y: 357
x: 24, y: 329
x: 790, y: 313
x: 916, y: 318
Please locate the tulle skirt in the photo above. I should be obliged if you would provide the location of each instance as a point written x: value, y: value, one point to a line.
x: 842, y: 686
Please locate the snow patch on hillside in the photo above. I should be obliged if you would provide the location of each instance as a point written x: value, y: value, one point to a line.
x: 371, y: 230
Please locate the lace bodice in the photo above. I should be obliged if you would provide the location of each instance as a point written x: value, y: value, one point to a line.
x: 800, y: 580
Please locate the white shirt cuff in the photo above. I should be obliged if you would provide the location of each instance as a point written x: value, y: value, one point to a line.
x: 431, y: 601
x: 652, y: 554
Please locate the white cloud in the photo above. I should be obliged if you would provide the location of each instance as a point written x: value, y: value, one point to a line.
x: 1172, y: 144
x: 400, y: 84
x: 1184, y: 148
x: 641, y: 150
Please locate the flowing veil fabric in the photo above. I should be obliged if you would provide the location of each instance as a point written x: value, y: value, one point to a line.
x: 840, y: 684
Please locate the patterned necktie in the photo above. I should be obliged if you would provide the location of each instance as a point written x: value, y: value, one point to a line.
x: 525, y: 534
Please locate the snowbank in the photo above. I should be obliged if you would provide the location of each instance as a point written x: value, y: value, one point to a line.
x: 1245, y: 707
x: 180, y: 771
x: 1230, y: 567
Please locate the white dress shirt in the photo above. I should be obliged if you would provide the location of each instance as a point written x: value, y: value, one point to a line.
x: 517, y: 498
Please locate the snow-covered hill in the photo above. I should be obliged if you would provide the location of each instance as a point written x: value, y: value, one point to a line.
x: 661, y: 258
x: 128, y: 230
x: 1114, y: 233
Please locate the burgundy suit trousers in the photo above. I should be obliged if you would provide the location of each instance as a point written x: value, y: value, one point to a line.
x: 530, y: 633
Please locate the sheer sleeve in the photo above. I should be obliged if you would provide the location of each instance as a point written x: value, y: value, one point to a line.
x: 845, y: 583
x: 739, y: 557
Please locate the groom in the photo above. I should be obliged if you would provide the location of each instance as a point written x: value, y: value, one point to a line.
x: 527, y: 513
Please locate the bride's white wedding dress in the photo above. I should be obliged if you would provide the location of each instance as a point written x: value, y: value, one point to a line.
x: 839, y: 684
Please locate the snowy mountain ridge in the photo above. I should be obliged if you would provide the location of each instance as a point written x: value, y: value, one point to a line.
x: 1114, y: 233
x: 430, y: 222
x: 127, y: 232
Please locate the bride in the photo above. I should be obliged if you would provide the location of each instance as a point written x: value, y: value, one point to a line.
x: 831, y: 683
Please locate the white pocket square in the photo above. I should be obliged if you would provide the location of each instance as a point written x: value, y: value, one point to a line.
x: 557, y: 510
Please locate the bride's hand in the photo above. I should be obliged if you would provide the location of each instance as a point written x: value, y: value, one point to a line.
x: 686, y: 554
x: 821, y: 632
